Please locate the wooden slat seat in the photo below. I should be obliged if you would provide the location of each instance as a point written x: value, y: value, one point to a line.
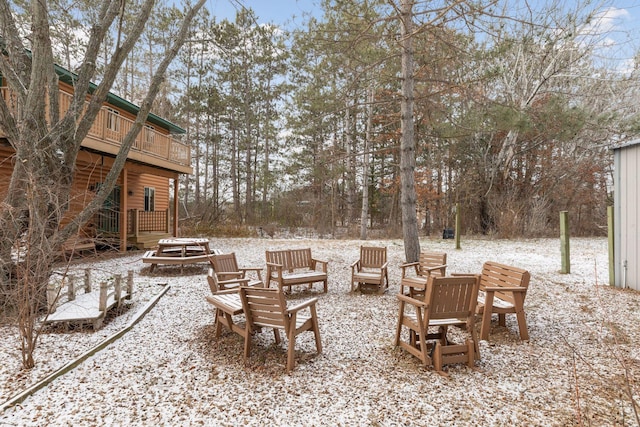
x: 228, y: 305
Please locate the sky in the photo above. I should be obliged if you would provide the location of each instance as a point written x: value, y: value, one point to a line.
x: 620, y: 19
x: 268, y: 11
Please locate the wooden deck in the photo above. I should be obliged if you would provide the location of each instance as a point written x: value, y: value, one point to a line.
x: 91, y: 306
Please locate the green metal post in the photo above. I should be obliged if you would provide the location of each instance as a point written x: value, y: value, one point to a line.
x: 564, y: 243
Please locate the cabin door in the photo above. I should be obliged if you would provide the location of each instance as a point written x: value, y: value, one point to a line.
x: 108, y: 220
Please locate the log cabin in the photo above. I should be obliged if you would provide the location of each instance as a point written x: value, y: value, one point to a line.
x: 142, y: 208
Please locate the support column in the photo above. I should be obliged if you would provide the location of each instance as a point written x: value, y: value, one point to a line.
x: 175, y: 206
x: 124, y: 207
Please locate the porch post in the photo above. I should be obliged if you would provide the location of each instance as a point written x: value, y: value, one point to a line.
x: 175, y: 205
x: 123, y: 209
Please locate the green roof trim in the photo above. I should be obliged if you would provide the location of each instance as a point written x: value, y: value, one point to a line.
x: 113, y: 99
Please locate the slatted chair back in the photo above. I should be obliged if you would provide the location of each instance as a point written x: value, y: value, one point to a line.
x: 282, y: 258
x: 267, y: 308
x: 503, y: 289
x: 264, y: 307
x: 504, y: 276
x: 451, y: 298
x: 225, y: 263
x: 301, y: 258
x: 448, y: 301
x: 372, y: 257
x: 428, y: 260
x: 224, y: 273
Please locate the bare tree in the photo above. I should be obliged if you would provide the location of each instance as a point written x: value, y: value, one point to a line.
x: 47, y: 144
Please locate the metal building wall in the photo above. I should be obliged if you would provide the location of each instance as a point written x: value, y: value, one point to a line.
x: 627, y: 215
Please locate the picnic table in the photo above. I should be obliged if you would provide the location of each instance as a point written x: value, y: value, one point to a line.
x: 179, y: 251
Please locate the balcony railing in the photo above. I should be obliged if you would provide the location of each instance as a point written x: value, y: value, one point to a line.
x: 110, y: 128
x: 107, y: 221
x: 147, y: 222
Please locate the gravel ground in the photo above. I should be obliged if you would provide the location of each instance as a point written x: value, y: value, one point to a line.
x: 579, y: 368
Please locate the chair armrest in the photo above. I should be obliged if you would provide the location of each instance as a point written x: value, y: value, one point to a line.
x: 250, y: 269
x: 412, y: 301
x: 274, y: 267
x: 437, y: 267
x: 407, y: 265
x: 302, y: 305
x: 317, y: 261
x: 505, y: 289
x: 355, y: 264
x: 384, y: 266
x: 230, y: 281
x: 229, y: 273
x: 228, y: 291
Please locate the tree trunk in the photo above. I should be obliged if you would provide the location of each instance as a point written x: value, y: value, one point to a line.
x: 364, y: 217
x: 407, y: 144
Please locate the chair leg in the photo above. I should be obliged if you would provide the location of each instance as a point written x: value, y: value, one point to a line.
x: 396, y: 341
x: 502, y: 319
x: 437, y: 357
x: 522, y: 325
x: 218, y: 323
x: 247, y: 345
x: 316, y: 329
x: 470, y: 353
x: 276, y: 335
x: 291, y: 352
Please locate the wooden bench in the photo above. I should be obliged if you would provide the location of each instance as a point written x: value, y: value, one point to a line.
x: 150, y: 257
x: 290, y: 267
x: 502, y: 290
x: 77, y: 244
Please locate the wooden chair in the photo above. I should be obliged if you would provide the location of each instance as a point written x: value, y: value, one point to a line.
x: 224, y: 273
x: 267, y: 308
x: 448, y: 301
x: 370, y: 269
x: 502, y: 291
x: 430, y: 264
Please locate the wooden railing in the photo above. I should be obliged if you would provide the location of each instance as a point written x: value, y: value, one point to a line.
x: 111, y: 128
x: 138, y: 221
x: 146, y: 222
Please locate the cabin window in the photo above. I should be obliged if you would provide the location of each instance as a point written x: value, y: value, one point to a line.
x: 149, y: 199
x: 113, y: 120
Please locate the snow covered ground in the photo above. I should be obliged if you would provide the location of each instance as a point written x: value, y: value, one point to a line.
x: 582, y: 361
